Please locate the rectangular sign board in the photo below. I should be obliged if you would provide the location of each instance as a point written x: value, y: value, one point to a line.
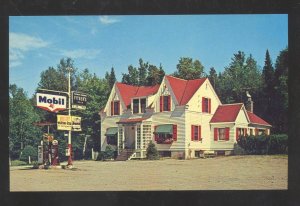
x: 79, y: 100
x: 51, y: 102
x: 76, y: 123
x: 65, y: 122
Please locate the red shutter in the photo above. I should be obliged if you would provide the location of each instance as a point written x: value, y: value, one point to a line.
x: 199, y: 133
x: 169, y: 103
x: 111, y: 108
x: 245, y: 132
x: 174, y: 132
x: 209, y: 105
x: 216, y: 134
x: 192, y: 132
x: 161, y: 103
x: 237, y: 133
x: 256, y: 131
x: 155, y: 135
x: 227, y: 133
x: 203, y: 106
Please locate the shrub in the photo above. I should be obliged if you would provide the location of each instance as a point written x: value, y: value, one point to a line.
x: 29, y: 151
x: 152, y: 153
x: 18, y: 163
x: 272, y: 144
x: 238, y: 150
x: 278, y: 144
x: 109, y: 153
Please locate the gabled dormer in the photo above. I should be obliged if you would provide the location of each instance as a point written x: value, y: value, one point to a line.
x: 127, y: 97
x: 196, y: 95
x: 165, y: 99
x: 115, y: 104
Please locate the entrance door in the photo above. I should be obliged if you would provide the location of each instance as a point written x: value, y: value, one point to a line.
x: 130, y: 133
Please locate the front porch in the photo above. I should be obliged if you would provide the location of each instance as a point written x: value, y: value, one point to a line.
x: 134, y: 136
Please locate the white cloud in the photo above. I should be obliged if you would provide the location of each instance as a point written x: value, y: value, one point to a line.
x: 25, y: 42
x: 20, y: 43
x: 108, y: 20
x: 15, y: 55
x: 81, y: 53
x: 14, y: 64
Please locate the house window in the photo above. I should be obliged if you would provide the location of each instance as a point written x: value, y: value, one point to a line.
x: 165, y: 103
x: 196, y: 132
x: 135, y: 106
x: 206, y: 105
x: 115, y: 108
x: 221, y: 134
x: 165, y: 134
x: 143, y: 105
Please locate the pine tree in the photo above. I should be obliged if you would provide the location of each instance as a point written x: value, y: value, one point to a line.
x: 267, y: 93
x: 213, y: 76
x: 152, y: 153
x: 281, y: 92
x: 112, y: 78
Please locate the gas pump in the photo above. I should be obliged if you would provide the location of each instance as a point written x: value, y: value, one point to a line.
x: 54, y: 153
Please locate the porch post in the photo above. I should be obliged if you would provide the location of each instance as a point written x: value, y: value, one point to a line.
x: 123, y: 137
x: 135, y: 136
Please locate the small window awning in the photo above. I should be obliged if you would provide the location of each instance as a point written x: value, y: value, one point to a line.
x: 111, y: 131
x: 164, y: 129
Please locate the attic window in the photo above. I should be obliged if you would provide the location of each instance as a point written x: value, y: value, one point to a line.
x: 206, y: 105
x: 165, y: 103
x: 115, y: 108
x: 135, y: 106
x: 143, y: 105
x: 139, y: 106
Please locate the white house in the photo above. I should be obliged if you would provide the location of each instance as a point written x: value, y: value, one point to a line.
x: 183, y: 118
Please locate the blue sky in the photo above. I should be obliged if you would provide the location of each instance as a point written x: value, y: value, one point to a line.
x: 100, y: 42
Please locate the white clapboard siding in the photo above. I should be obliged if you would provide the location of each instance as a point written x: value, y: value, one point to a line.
x: 106, y: 123
x: 176, y: 117
x: 198, y: 118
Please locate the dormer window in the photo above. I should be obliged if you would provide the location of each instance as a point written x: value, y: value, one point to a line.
x: 206, y: 105
x: 115, y: 108
x: 165, y: 103
x: 139, y: 105
x: 143, y: 105
x: 136, y: 103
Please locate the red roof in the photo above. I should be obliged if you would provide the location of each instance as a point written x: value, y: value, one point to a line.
x: 184, y: 89
x: 226, y: 113
x: 128, y: 91
x: 133, y: 120
x: 254, y: 119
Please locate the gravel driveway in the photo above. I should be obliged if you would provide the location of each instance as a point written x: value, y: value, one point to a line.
x: 219, y: 173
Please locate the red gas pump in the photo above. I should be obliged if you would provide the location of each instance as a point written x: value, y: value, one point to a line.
x: 54, y: 153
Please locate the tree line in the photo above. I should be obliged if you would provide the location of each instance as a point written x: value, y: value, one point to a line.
x: 267, y: 85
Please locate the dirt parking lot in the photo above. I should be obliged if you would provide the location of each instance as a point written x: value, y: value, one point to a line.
x: 219, y: 173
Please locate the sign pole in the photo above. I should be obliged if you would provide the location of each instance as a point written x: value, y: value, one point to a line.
x: 70, y: 132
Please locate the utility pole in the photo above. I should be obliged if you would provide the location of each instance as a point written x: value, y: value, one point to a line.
x: 70, y: 131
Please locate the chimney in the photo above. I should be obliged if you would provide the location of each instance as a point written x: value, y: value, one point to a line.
x: 249, y: 103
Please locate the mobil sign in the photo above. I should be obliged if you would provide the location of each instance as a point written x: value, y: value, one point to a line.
x: 51, y: 102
